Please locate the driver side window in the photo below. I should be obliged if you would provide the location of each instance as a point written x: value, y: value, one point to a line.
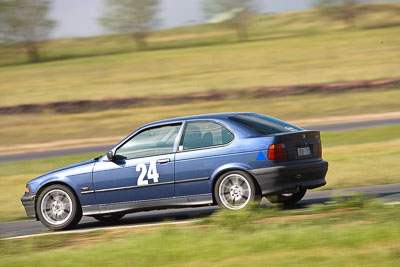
x: 150, y: 142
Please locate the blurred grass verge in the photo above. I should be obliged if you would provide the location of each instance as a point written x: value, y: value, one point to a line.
x: 284, y: 49
x: 356, y: 158
x: 352, y: 232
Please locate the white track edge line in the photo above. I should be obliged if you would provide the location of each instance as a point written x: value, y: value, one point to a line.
x: 100, y: 228
x: 392, y: 203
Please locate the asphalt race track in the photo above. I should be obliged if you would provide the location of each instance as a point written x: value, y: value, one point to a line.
x: 390, y: 194
x: 345, y: 126
x: 104, y: 148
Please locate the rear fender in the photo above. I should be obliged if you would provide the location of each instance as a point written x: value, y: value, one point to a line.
x: 227, y: 167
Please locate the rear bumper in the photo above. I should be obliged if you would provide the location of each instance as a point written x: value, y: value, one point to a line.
x: 275, y: 180
x: 28, y: 201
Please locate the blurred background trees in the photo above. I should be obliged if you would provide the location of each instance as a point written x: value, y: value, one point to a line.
x: 25, y: 22
x: 234, y: 13
x: 345, y: 10
x: 137, y: 17
x: 171, y: 24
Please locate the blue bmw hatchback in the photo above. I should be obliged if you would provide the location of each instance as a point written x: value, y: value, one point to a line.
x: 227, y: 159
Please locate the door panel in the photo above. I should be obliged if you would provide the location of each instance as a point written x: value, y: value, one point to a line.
x: 117, y: 182
x: 143, y: 169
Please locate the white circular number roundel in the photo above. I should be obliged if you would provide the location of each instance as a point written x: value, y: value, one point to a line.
x: 152, y: 174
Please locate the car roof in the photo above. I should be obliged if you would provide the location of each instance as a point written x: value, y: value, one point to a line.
x: 198, y: 117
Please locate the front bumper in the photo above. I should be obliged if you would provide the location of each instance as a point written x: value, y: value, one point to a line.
x: 280, y: 179
x: 28, y: 201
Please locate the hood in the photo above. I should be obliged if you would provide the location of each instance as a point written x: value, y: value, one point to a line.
x: 68, y: 167
x: 72, y: 166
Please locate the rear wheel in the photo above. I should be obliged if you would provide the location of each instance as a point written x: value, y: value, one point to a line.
x: 289, y: 198
x: 58, y: 208
x: 108, y: 217
x: 235, y: 190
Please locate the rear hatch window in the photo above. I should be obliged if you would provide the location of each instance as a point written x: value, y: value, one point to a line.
x: 264, y: 124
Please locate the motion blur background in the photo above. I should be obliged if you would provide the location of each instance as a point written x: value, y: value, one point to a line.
x: 84, y: 74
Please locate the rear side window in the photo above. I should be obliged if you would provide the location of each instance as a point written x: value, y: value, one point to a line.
x: 264, y: 124
x: 205, y: 134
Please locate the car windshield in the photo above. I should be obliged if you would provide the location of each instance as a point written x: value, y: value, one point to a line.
x: 264, y: 124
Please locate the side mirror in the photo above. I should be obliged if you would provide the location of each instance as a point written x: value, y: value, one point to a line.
x: 110, y: 155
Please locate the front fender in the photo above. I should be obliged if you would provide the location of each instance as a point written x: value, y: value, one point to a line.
x: 75, y: 182
x: 38, y: 185
x: 76, y: 176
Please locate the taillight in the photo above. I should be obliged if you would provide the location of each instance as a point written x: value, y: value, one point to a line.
x: 277, y: 152
x: 319, y: 150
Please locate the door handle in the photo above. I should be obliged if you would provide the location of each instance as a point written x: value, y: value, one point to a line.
x: 163, y: 161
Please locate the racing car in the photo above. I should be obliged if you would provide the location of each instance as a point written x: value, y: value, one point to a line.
x: 227, y: 159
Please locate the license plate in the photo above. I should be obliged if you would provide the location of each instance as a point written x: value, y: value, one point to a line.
x: 303, y: 151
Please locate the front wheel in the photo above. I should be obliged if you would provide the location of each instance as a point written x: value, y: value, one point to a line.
x: 58, y: 208
x: 288, y: 199
x: 235, y: 190
x: 107, y: 218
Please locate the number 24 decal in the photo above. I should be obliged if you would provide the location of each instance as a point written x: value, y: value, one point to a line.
x: 151, y: 174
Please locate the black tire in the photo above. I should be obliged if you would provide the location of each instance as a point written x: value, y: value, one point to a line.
x: 53, y: 203
x: 288, y: 199
x: 242, y: 190
x: 107, y: 218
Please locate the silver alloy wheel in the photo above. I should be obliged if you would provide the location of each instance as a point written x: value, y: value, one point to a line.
x: 235, y: 191
x: 56, y: 207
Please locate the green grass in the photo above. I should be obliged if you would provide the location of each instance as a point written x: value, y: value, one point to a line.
x: 29, y: 129
x: 363, y: 164
x: 356, y: 158
x: 374, y: 135
x: 364, y: 235
x: 284, y: 49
